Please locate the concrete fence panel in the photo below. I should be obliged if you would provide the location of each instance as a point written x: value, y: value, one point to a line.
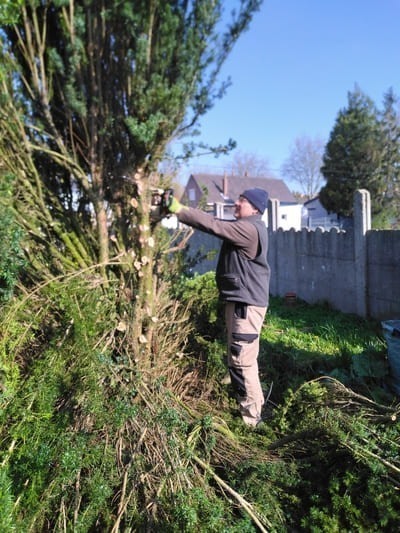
x: 355, y: 271
x: 383, y: 259
x: 316, y: 265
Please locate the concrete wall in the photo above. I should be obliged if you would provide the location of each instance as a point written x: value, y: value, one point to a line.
x: 383, y: 259
x: 316, y: 265
x: 355, y: 271
x: 204, y: 244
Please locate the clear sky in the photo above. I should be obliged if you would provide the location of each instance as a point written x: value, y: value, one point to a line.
x: 292, y: 70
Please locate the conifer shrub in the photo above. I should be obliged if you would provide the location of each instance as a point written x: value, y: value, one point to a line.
x: 11, y: 253
x: 92, y: 442
x: 207, y: 341
x: 53, y: 417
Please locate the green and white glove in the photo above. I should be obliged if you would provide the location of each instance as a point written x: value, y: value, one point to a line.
x: 174, y: 206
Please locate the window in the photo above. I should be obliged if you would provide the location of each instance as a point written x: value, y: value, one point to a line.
x: 192, y: 195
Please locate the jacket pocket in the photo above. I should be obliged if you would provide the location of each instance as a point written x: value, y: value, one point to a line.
x: 228, y: 282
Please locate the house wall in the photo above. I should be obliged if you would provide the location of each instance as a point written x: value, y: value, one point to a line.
x: 314, y: 215
x: 193, y: 194
x: 290, y: 217
x: 315, y: 209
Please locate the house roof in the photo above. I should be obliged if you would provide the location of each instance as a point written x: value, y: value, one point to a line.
x: 313, y: 200
x: 214, y: 183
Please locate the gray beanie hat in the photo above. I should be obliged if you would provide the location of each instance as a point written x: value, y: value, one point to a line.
x: 257, y: 197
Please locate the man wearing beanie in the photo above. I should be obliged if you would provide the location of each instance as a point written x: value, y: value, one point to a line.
x: 242, y: 277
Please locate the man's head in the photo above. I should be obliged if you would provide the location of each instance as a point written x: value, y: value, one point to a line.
x: 251, y: 202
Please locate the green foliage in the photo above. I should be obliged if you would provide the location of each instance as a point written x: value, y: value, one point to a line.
x: 303, y: 342
x: 6, y: 502
x: 389, y: 218
x: 201, y: 292
x: 363, y: 152
x: 339, y: 446
x: 194, y: 510
x: 353, y: 157
x: 206, y: 313
x: 52, y: 420
x: 10, y: 11
x: 119, y: 82
x: 333, y: 448
x: 85, y: 439
x: 11, y: 253
x: 86, y: 442
x: 197, y: 510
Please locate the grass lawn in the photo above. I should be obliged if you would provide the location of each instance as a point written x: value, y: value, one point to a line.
x: 302, y: 342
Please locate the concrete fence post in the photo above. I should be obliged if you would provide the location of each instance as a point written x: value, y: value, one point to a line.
x: 362, y: 224
x: 273, y: 214
x: 273, y: 256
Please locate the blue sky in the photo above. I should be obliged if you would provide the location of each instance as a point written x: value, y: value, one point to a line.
x: 292, y: 70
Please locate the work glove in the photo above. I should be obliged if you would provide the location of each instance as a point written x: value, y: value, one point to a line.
x: 173, y: 206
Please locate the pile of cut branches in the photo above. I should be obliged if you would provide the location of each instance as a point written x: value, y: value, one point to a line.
x: 346, y: 450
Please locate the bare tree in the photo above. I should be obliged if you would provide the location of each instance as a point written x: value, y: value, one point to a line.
x: 303, y: 166
x: 248, y: 164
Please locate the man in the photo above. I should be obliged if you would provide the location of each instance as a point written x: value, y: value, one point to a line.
x: 242, y: 277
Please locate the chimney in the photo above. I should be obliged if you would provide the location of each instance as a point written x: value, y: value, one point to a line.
x: 225, y: 185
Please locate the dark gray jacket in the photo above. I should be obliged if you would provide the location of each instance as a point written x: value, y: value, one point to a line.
x: 242, y: 272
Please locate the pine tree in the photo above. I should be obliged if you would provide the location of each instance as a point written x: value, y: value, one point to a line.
x: 390, y: 127
x: 353, y: 157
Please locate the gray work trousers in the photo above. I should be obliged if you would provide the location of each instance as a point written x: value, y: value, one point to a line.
x: 244, y: 324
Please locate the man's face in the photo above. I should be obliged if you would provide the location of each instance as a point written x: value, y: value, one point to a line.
x: 243, y: 208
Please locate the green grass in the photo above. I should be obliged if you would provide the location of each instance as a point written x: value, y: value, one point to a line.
x: 303, y: 342
x: 298, y: 343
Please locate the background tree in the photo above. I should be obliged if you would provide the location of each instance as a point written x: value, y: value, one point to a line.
x: 353, y: 157
x: 248, y: 164
x: 303, y: 166
x: 91, y: 94
x: 390, y: 128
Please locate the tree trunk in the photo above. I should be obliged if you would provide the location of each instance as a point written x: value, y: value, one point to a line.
x: 144, y: 264
x: 102, y: 232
